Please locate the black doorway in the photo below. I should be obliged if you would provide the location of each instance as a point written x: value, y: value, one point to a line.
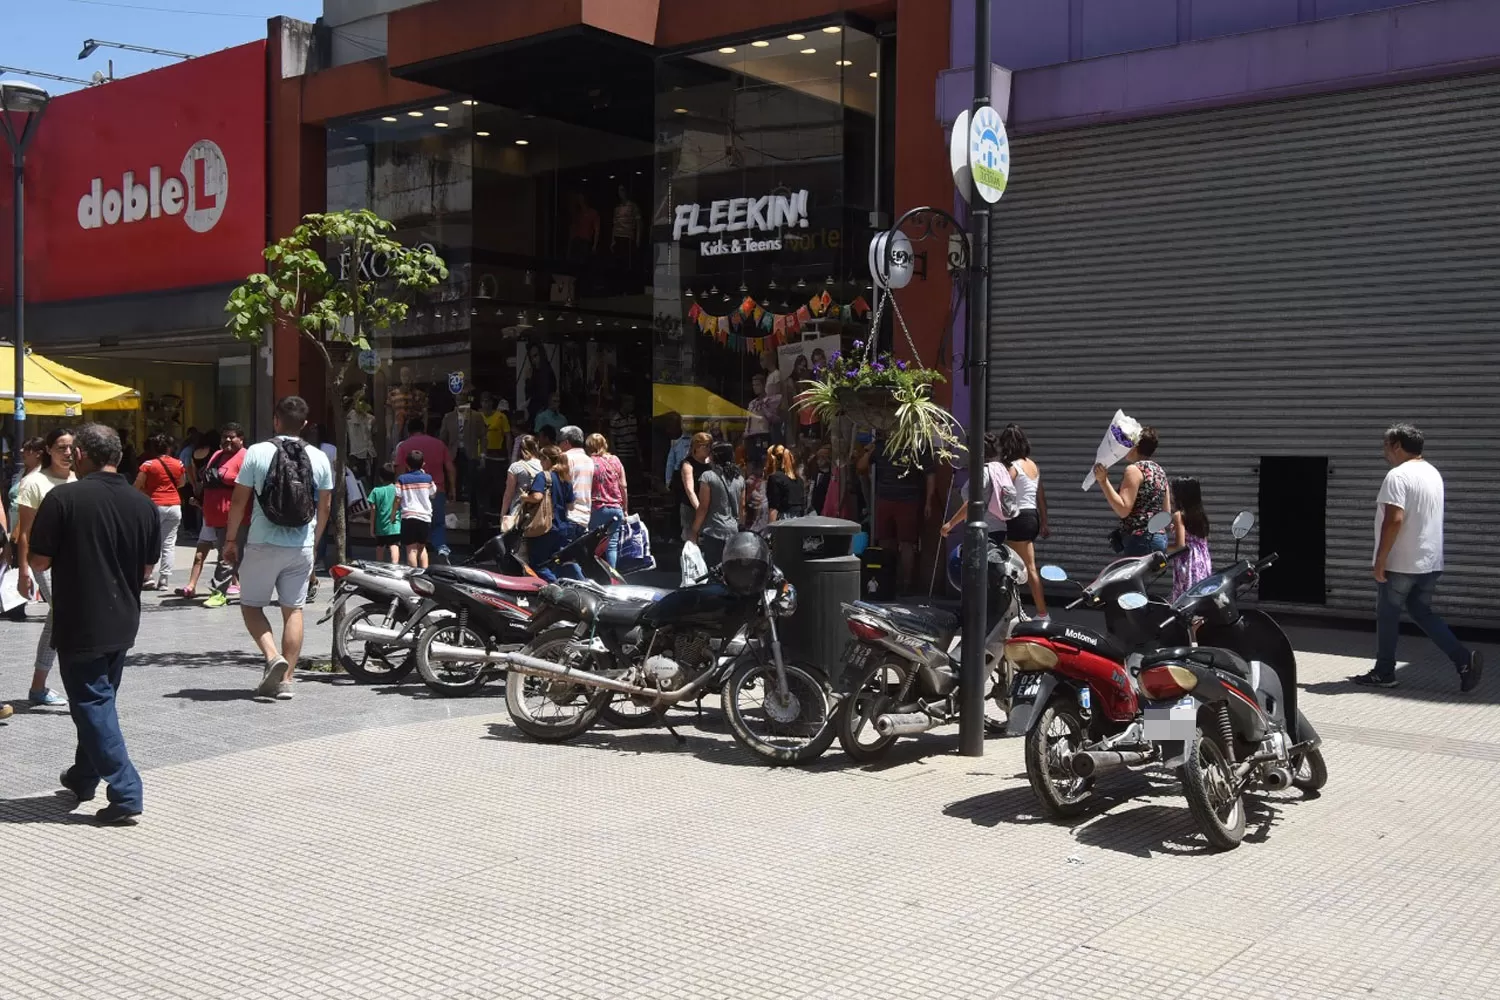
x: 1293, y: 506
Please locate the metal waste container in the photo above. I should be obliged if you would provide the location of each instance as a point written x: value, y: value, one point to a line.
x: 816, y: 555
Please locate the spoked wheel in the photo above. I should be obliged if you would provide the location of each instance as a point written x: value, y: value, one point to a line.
x: 624, y: 712
x: 1217, y: 807
x: 790, y: 729
x: 372, y: 662
x: 1310, y: 772
x: 855, y: 718
x: 452, y: 679
x: 547, y: 709
x: 1053, y: 739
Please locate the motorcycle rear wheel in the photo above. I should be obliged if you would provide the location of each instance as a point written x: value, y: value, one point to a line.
x: 451, y: 680
x: 1311, y: 772
x: 370, y: 662
x: 548, y: 710
x: 855, y: 718
x: 805, y: 731
x: 1208, y: 785
x: 1060, y: 794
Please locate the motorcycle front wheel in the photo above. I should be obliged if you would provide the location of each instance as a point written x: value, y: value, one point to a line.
x: 780, y: 731
x: 451, y: 679
x: 1310, y: 772
x: 623, y: 712
x: 1208, y: 784
x: 371, y: 662
x: 854, y: 720
x: 1055, y: 736
x: 547, y: 709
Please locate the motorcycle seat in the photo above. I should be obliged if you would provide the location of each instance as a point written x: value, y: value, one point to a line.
x: 1212, y: 657
x: 1072, y: 635
x: 488, y: 580
x: 916, y: 618
x: 620, y: 614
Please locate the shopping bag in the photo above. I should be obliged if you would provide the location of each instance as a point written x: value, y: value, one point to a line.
x: 635, y: 545
x: 694, y: 569
x: 10, y: 596
x: 1121, y: 436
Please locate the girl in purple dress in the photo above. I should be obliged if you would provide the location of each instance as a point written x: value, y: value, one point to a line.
x: 1190, y: 527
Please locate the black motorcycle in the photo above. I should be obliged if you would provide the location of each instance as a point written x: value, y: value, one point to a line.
x: 719, y: 635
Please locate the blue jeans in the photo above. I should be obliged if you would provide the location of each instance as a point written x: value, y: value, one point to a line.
x: 1144, y: 545
x: 539, y: 550
x: 598, y: 519
x: 91, y: 683
x: 1412, y: 593
x: 438, y: 540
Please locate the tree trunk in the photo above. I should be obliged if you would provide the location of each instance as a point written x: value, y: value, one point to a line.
x: 339, y: 514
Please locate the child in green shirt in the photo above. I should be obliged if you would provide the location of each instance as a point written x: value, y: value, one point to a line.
x: 385, y: 516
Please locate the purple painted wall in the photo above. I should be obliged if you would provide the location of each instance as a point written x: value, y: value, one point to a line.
x: 1318, y: 51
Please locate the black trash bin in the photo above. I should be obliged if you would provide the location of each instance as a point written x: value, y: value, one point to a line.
x: 816, y: 555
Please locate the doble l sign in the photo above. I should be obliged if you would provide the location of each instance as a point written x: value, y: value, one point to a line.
x: 199, y: 194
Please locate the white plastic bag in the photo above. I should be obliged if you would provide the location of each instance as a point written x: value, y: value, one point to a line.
x: 1121, y: 436
x: 694, y: 569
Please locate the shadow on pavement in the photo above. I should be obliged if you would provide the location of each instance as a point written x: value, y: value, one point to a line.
x: 658, y: 740
x: 195, y: 659
x: 213, y: 694
x: 1433, y: 684
x: 56, y: 808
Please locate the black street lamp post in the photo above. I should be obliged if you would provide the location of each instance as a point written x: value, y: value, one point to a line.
x: 26, y: 99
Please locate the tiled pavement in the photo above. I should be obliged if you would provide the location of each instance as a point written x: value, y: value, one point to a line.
x: 362, y: 843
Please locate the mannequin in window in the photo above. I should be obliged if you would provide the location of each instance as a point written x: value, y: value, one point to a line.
x: 627, y: 229
x: 583, y: 239
x: 359, y: 423
x: 463, y: 432
x: 402, y: 402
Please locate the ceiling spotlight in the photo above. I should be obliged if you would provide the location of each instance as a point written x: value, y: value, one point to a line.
x: 351, y: 138
x: 469, y: 104
x: 808, y: 52
x: 874, y: 76
x: 414, y: 114
x: 441, y: 124
x: 728, y: 50
x: 679, y: 111
x: 388, y: 118
x: 440, y: 107
x: 761, y: 45
x: 482, y: 135
x: 832, y: 29
x: 843, y: 62
x: 795, y: 37
x: 523, y: 142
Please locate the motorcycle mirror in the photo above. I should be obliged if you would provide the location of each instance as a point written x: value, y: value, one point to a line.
x: 1242, y: 524
x: 1053, y: 574
x: 1158, y: 522
x: 1131, y: 601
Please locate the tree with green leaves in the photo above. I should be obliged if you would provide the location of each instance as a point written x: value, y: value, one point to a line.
x: 334, y: 314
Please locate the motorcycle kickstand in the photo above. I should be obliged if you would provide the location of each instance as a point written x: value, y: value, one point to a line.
x: 681, y: 739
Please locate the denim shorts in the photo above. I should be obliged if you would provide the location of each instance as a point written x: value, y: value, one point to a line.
x: 274, y: 569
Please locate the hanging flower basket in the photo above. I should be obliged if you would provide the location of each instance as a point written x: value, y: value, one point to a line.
x: 887, y: 395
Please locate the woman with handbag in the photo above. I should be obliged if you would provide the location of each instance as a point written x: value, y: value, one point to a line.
x: 545, y: 517
x: 518, y: 480
x: 162, y: 478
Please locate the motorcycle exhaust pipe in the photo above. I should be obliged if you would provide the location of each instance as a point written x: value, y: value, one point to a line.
x: 521, y: 663
x: 1092, y: 763
x: 1277, y: 778
x: 904, y: 724
x: 365, y: 632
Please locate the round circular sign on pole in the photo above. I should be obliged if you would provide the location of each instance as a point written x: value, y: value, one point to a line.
x: 989, y: 154
x: 369, y: 362
x: 901, y: 260
x: 958, y: 156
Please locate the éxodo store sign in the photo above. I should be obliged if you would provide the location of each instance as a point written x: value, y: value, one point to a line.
x: 129, y: 183
x: 741, y: 225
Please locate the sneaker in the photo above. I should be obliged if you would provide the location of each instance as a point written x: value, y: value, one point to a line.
x: 234, y: 590
x: 216, y: 600
x: 48, y: 698
x: 284, y: 691
x: 312, y: 590
x: 6, y: 711
x: 117, y: 815
x: 1470, y: 674
x: 62, y: 779
x: 1374, y: 680
x: 271, y: 680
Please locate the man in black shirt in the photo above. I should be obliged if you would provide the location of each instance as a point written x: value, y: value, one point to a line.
x: 100, y: 537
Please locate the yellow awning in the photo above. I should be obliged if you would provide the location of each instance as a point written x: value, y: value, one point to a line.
x: 694, y: 402
x: 54, y: 390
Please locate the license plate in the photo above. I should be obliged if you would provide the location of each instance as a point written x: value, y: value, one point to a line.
x: 856, y: 655
x: 1025, y: 687
x: 1168, y: 723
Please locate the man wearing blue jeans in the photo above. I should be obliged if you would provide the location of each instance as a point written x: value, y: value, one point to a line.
x: 99, y: 537
x: 1409, y: 560
x: 278, y: 558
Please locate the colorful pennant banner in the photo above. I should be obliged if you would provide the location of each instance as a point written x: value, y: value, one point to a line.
x: 751, y: 327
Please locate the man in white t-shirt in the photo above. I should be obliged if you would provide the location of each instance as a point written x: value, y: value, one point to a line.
x: 581, y: 471
x: 1409, y: 560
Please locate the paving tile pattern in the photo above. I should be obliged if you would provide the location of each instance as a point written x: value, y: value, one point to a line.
x: 372, y: 843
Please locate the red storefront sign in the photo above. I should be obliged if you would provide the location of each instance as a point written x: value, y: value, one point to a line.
x: 153, y: 182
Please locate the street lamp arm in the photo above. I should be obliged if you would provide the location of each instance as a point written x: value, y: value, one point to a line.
x: 92, y: 45
x: 45, y: 76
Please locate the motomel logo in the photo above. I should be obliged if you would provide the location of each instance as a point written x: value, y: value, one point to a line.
x: 1077, y: 636
x: 198, y: 195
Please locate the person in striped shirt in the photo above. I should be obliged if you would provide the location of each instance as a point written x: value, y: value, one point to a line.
x: 414, y: 492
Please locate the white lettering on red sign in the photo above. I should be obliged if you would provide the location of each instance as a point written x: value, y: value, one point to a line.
x: 198, y: 194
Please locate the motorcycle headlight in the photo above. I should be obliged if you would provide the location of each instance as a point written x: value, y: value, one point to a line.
x: 785, y: 604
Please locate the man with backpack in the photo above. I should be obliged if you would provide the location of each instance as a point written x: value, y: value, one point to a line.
x: 291, y: 485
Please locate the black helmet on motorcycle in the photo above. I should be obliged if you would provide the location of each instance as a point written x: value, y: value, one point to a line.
x: 747, y: 566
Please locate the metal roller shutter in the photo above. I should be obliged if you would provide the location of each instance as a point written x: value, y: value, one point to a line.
x: 1281, y: 279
